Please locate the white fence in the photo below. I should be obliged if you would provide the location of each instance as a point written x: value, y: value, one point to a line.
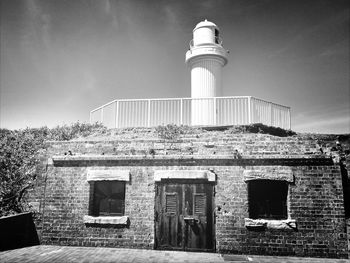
x: 217, y: 111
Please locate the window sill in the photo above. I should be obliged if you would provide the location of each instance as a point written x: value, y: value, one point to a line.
x: 107, y: 220
x: 262, y: 224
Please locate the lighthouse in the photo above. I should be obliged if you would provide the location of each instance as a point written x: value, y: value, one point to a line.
x: 205, y: 58
x: 207, y: 106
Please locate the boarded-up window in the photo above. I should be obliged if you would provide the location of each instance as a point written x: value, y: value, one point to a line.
x: 108, y: 198
x: 171, y: 203
x: 267, y: 199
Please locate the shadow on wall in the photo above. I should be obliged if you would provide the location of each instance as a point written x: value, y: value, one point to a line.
x: 346, y: 189
x: 17, y: 231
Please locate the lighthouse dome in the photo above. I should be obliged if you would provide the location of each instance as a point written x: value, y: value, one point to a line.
x: 205, y: 33
x: 205, y: 23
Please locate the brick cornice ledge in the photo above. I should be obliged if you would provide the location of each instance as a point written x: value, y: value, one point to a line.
x: 190, y: 160
x: 106, y: 220
x: 260, y: 224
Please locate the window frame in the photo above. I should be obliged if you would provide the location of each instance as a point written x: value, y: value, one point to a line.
x: 254, y: 200
x: 96, y: 211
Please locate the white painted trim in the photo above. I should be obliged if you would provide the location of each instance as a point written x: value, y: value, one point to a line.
x: 184, y: 174
x: 283, y: 174
x: 106, y: 220
x: 162, y: 99
x: 270, y: 224
x: 108, y: 175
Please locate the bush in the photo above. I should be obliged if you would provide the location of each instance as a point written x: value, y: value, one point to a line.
x: 173, y: 132
x: 19, y: 159
x: 75, y: 130
x: 261, y: 128
x: 169, y: 132
x: 18, y: 162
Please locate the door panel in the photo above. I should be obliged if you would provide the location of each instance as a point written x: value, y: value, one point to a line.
x: 184, y: 217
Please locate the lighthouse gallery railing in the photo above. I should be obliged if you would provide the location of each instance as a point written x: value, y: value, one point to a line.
x: 238, y: 110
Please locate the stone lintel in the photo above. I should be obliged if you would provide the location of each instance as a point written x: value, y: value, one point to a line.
x: 273, y: 173
x: 259, y: 224
x: 107, y: 175
x: 106, y: 220
x: 184, y: 174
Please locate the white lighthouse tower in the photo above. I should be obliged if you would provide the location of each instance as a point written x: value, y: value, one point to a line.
x: 206, y: 107
x: 206, y: 58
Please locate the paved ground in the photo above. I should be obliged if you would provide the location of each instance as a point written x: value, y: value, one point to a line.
x: 52, y: 254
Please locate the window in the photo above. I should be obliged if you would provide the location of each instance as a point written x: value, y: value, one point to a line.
x: 107, y: 198
x: 267, y: 199
x: 217, y: 36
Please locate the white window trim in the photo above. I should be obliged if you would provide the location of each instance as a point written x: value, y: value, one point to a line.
x: 106, y: 220
x: 271, y: 174
x: 184, y: 174
x: 108, y: 175
x: 277, y: 174
x: 289, y: 224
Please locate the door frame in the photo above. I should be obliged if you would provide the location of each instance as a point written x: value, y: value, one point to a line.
x: 213, y: 213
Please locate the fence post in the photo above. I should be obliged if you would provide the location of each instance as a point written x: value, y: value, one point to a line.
x: 181, y: 111
x: 149, y: 114
x: 116, y: 113
x: 101, y: 115
x: 249, y: 110
x: 90, y: 117
x: 290, y: 119
x: 270, y: 109
x: 215, y: 112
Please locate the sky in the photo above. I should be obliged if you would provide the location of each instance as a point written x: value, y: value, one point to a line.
x: 59, y: 59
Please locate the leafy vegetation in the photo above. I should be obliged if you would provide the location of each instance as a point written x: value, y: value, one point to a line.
x: 172, y: 132
x: 19, y: 159
x: 261, y: 128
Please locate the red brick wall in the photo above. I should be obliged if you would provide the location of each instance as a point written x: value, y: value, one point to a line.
x: 315, y: 198
x: 348, y: 230
x: 67, y: 200
x: 315, y: 202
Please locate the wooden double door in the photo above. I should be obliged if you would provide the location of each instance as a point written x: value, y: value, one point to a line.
x: 184, y: 215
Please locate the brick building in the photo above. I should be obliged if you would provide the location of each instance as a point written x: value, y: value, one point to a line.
x: 204, y: 191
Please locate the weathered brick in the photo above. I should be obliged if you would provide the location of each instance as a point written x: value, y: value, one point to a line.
x: 315, y: 196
